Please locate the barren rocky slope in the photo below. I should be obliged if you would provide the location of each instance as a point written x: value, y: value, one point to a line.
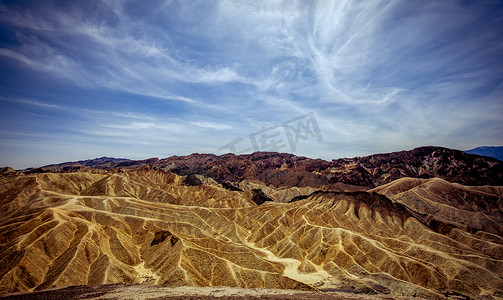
x: 430, y: 238
x: 288, y: 170
x: 153, y: 292
x: 474, y: 208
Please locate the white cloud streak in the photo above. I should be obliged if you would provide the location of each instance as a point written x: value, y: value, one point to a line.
x: 379, y: 75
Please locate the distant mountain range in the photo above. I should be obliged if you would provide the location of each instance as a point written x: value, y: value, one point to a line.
x: 496, y: 152
x: 288, y: 170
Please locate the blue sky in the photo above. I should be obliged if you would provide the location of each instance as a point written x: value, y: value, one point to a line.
x: 138, y: 79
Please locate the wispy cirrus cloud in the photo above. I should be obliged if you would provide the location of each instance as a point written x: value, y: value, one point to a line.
x: 39, y: 104
x: 192, y: 76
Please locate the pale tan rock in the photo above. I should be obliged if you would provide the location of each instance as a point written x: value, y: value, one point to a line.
x: 146, y: 226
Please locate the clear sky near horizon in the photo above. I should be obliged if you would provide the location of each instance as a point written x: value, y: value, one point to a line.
x: 329, y: 79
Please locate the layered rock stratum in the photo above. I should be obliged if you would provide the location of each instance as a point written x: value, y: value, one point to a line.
x: 426, y: 237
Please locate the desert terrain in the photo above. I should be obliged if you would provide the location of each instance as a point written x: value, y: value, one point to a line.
x: 142, y: 291
x: 164, y: 228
